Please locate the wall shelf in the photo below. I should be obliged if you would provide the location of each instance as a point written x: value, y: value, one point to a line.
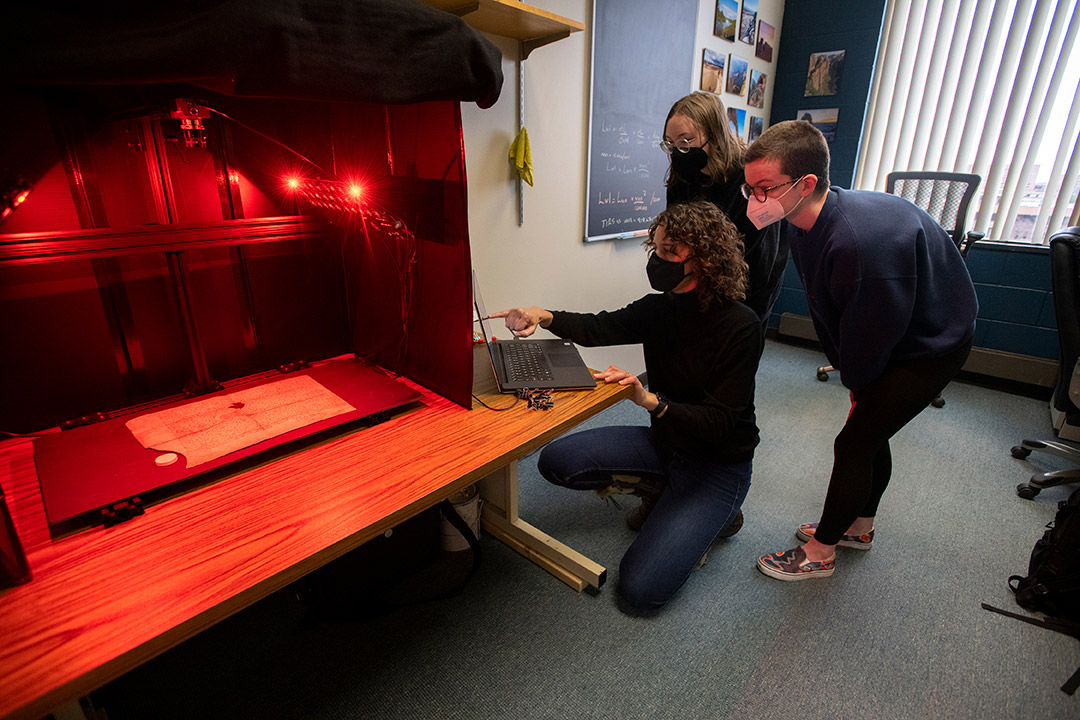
x: 531, y: 26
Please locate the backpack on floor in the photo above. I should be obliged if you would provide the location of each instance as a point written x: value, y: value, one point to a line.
x: 1052, y: 585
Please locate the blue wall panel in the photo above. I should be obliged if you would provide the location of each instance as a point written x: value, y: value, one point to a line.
x: 1027, y: 269
x: 1010, y: 304
x: 812, y: 26
x: 1047, y: 318
x: 1020, y: 339
x: 986, y: 267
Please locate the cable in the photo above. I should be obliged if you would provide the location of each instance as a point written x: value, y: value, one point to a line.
x: 267, y: 137
x: 508, y: 407
x: 10, y: 434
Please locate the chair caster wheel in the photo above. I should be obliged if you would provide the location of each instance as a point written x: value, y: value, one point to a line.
x: 938, y: 402
x: 1019, y: 451
x: 1026, y: 491
x: 822, y: 376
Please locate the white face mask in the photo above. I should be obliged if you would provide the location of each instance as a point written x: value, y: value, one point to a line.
x: 762, y: 213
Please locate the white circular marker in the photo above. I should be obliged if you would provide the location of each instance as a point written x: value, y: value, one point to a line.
x: 166, y: 459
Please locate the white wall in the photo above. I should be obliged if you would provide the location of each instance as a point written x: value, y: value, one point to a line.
x: 544, y: 262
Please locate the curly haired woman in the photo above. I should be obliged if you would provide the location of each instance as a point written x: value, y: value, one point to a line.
x: 701, y: 347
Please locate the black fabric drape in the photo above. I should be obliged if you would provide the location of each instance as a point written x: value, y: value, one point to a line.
x: 386, y: 51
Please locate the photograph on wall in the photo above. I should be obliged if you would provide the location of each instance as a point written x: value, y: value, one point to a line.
x: 824, y: 119
x: 754, y: 128
x: 736, y: 74
x: 737, y: 120
x: 755, y: 96
x: 748, y: 22
x: 823, y: 74
x: 712, y: 71
x: 766, y: 41
x: 727, y: 13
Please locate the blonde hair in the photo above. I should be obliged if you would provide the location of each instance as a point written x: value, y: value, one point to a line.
x: 715, y: 244
x: 725, y: 149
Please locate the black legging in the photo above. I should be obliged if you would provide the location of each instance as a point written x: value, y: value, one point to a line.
x: 862, y: 462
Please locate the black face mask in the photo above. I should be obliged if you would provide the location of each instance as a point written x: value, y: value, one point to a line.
x: 688, y: 164
x: 664, y: 275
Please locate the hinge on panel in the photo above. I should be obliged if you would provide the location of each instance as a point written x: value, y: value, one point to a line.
x: 121, y: 511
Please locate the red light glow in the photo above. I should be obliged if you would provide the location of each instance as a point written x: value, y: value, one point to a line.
x: 292, y: 182
x: 355, y: 190
x: 22, y: 196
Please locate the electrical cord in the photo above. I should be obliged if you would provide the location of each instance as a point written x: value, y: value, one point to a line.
x: 497, y: 409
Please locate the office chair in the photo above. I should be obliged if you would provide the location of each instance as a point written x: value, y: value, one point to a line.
x: 1065, y: 402
x: 945, y: 197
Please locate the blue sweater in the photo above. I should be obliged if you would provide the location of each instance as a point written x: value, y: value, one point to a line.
x: 884, y: 282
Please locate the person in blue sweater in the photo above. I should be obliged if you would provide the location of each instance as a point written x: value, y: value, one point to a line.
x: 701, y: 347
x: 894, y: 309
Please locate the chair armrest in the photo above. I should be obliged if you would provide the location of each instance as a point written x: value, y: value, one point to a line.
x: 972, y: 238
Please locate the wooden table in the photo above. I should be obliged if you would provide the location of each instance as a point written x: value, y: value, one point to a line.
x: 104, y: 601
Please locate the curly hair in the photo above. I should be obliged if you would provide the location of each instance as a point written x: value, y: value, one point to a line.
x: 715, y: 244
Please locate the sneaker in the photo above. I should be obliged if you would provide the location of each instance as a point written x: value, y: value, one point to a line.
x: 637, y: 517
x: 859, y: 542
x: 793, y: 565
x: 733, y: 527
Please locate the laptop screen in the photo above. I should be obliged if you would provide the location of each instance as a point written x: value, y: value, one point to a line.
x: 481, y: 318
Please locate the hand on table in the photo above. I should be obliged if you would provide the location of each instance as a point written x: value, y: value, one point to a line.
x: 642, y: 397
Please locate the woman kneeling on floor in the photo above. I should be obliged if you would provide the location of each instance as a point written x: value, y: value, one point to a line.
x: 692, y: 464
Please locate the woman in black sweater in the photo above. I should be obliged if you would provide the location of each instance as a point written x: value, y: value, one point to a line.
x: 701, y: 348
x: 707, y: 164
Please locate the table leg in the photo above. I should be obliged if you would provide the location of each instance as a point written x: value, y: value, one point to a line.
x: 70, y: 711
x: 499, y: 516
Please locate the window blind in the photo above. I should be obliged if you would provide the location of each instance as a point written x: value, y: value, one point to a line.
x: 982, y: 86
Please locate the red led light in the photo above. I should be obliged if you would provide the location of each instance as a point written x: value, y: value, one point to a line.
x: 22, y: 196
x: 5, y: 213
x: 292, y: 182
x: 355, y: 190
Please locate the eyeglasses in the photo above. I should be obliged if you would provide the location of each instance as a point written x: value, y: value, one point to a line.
x: 684, y: 146
x: 761, y: 194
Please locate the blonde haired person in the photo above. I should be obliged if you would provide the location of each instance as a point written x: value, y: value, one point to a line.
x: 707, y: 164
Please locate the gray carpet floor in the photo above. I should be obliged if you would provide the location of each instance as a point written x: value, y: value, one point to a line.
x: 897, y: 632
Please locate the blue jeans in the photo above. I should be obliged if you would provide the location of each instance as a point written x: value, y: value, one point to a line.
x: 699, y: 497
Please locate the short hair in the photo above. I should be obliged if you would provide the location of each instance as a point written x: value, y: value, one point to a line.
x: 706, y: 110
x: 798, y: 146
x: 714, y: 242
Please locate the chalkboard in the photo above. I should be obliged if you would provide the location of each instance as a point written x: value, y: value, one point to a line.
x: 643, y: 61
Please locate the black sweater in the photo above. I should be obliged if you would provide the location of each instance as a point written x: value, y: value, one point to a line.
x: 702, y: 362
x: 764, y: 252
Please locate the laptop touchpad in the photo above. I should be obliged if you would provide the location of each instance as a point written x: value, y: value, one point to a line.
x: 560, y: 358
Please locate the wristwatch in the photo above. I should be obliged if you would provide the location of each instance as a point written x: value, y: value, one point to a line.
x: 660, y: 407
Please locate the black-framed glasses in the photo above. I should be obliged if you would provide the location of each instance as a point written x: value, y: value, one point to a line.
x: 761, y: 194
x: 683, y: 145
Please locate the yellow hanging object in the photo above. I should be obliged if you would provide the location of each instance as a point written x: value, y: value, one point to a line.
x: 521, y: 156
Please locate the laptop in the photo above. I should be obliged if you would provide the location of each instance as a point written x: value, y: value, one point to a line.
x: 532, y: 364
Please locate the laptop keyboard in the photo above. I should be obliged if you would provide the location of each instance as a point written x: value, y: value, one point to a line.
x: 525, y: 362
